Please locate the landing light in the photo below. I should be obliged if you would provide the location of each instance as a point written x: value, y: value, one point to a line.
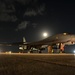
x: 45, y: 34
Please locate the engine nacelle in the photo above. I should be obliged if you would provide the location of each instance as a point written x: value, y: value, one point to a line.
x: 23, y: 47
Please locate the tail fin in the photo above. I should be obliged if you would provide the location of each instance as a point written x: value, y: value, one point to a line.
x: 23, y: 47
x: 24, y: 40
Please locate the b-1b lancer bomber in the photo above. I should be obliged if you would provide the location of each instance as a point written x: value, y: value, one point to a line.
x: 59, y: 41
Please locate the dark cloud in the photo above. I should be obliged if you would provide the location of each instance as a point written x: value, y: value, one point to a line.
x: 6, y: 17
x: 30, y: 13
x: 18, y: 10
x: 41, y: 9
x: 34, y: 12
x: 23, y: 25
x: 4, y: 8
x: 5, y: 12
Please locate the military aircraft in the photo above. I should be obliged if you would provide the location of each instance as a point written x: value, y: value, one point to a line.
x: 56, y: 41
x: 59, y: 41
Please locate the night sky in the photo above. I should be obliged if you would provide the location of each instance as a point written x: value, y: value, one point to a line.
x: 30, y: 18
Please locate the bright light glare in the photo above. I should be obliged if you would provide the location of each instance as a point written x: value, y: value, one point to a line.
x: 45, y: 34
x: 9, y: 52
x: 74, y: 51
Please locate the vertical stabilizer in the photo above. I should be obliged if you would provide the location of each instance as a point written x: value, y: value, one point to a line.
x: 24, y: 40
x: 23, y: 47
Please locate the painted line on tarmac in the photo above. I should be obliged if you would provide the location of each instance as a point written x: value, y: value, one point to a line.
x: 55, y: 63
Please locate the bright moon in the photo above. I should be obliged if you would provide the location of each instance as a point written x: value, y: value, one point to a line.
x: 45, y: 34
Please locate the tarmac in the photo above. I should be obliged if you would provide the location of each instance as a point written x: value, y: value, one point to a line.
x: 39, y: 64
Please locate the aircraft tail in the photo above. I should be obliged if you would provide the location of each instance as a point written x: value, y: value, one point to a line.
x: 23, y: 47
x: 24, y: 40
